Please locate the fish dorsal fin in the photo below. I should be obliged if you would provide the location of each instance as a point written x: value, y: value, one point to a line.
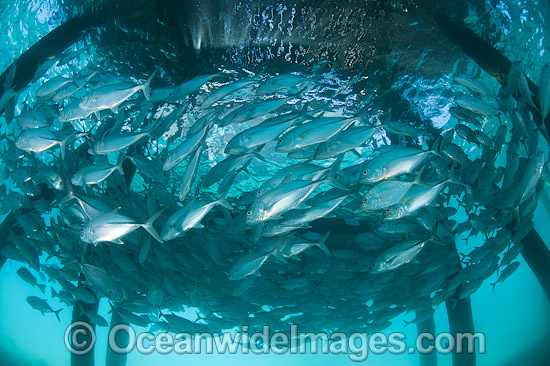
x: 286, y: 179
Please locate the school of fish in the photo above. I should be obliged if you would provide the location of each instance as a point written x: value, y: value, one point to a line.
x: 247, y: 197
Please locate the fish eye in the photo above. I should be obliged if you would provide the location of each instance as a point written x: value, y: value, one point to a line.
x: 280, y: 141
x: 259, y: 191
x: 229, y: 142
x: 335, y: 176
x: 373, y: 264
x: 249, y: 213
x: 365, y: 172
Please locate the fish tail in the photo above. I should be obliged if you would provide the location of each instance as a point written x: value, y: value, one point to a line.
x: 322, y: 245
x: 277, y: 254
x: 406, y: 323
x: 63, y: 144
x: 418, y: 178
x: 56, y: 312
x: 224, y: 203
x: 118, y: 166
x: 68, y: 197
x: 147, y: 85
x: 148, y: 225
x: 332, y: 176
x: 258, y: 156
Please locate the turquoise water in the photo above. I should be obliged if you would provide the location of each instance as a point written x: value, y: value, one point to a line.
x: 406, y: 69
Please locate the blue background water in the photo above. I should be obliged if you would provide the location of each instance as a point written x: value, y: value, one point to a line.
x: 513, y: 318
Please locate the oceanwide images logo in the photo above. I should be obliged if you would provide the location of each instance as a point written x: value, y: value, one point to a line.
x: 80, y: 339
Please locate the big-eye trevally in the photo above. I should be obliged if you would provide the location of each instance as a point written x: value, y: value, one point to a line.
x: 111, y: 227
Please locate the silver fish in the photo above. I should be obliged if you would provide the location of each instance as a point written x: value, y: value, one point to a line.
x: 387, y: 193
x: 190, y: 86
x: 345, y: 141
x: 103, y: 282
x: 189, y: 217
x: 474, y: 85
x: 111, y: 227
x: 52, y: 85
x: 254, y: 110
x: 190, y: 143
x: 226, y: 90
x: 531, y: 176
x: 291, y: 247
x: 226, y: 166
x: 311, y: 133
x: 189, y: 175
x: 95, y: 174
x: 544, y: 91
x: 476, y: 105
x: 286, y: 197
x: 40, y: 139
x: 111, y: 144
x: 397, y: 256
x: 394, y: 163
x: 415, y: 202
x: 111, y: 96
x: 32, y: 119
x: 248, y: 265
x: 259, y: 135
x: 73, y: 112
x: 283, y: 81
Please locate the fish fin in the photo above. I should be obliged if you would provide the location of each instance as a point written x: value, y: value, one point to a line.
x: 244, y: 168
x: 41, y: 287
x: 198, y: 225
x: 300, y: 206
x: 332, y: 175
x: 356, y: 152
x: 418, y: 178
x: 63, y: 143
x: 322, y: 245
x: 98, y: 115
x: 257, y: 232
x: 118, y: 166
x: 114, y: 109
x: 116, y: 241
x: 56, y: 312
x: 303, y: 111
x: 493, y: 285
x: 224, y: 203
x: 279, y: 256
x: 286, y: 179
x: 406, y: 323
x: 148, y: 225
x: 70, y: 195
x: 258, y: 156
x: 147, y: 85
